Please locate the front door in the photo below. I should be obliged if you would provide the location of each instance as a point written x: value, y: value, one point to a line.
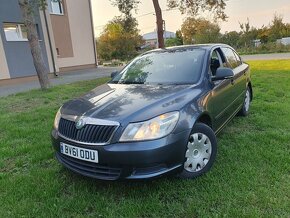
x: 221, y: 96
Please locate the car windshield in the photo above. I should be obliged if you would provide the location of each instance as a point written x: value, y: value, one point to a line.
x: 163, y: 67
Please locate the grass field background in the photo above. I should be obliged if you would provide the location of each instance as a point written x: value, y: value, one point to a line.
x: 251, y: 176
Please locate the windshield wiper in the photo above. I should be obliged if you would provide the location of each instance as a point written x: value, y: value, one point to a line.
x: 128, y: 82
x: 113, y: 82
x: 174, y: 83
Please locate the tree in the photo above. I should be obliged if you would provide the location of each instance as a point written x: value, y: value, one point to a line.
x: 190, y: 7
x: 286, y: 31
x: 116, y: 42
x: 173, y: 42
x: 28, y: 9
x: 263, y: 34
x: 231, y: 38
x: 277, y: 28
x: 179, y: 36
x: 188, y: 30
x: 126, y: 7
x: 159, y: 22
x: 245, y: 27
x: 178, y: 40
x: 199, y: 31
x: 248, y: 34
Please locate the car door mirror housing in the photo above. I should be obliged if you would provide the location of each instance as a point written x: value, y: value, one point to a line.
x: 223, y: 73
x: 113, y: 74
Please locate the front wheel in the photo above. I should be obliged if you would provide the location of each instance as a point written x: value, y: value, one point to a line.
x: 200, y: 152
x: 246, y: 105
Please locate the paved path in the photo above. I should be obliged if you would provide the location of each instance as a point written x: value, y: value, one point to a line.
x: 63, y: 78
x: 266, y: 56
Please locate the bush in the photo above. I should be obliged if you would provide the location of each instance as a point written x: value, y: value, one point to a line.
x: 265, y: 48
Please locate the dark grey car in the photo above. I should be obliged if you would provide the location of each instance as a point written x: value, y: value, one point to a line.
x: 159, y: 115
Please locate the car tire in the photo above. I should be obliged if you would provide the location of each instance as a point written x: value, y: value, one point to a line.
x: 246, y: 105
x: 200, y: 152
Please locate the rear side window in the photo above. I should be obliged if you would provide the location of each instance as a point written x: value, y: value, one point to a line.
x: 238, y: 58
x: 231, y: 57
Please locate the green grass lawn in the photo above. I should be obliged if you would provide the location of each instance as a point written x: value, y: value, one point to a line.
x: 251, y: 176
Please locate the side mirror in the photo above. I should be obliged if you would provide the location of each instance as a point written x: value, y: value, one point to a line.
x: 223, y: 73
x: 113, y: 74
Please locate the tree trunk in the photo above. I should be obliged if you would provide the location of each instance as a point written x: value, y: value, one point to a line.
x: 27, y: 10
x: 159, y: 22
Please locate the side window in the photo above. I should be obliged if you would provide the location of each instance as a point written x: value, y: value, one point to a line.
x: 238, y: 59
x: 214, y: 62
x: 231, y: 58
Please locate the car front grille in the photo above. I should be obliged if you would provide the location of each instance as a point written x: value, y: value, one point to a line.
x: 89, y: 169
x: 94, y: 134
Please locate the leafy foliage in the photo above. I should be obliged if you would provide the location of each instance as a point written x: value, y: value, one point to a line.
x: 120, y: 38
x: 190, y: 7
x: 265, y: 48
x: 34, y: 4
x: 172, y: 42
x: 199, y: 30
x: 116, y: 42
x: 178, y: 40
x: 231, y: 38
x: 126, y: 6
x: 278, y: 29
x: 203, y: 31
x: 267, y: 34
x: 195, y: 7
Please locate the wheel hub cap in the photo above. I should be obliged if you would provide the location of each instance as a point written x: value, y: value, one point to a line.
x: 198, y: 152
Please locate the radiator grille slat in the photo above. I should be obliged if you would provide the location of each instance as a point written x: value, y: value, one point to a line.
x: 88, y: 134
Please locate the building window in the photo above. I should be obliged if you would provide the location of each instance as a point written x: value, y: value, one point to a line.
x: 57, y: 51
x: 15, y: 32
x: 56, y: 7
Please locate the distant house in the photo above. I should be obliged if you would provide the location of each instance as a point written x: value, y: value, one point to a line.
x: 65, y: 35
x: 257, y: 42
x: 285, y: 41
x: 151, y: 38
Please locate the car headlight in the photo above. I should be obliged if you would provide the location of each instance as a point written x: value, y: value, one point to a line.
x: 57, y: 119
x: 155, y: 128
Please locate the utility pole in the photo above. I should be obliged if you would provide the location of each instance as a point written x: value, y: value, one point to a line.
x: 164, y: 32
x: 159, y: 22
x: 157, y: 45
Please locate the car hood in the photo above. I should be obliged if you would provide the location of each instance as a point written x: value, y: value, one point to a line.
x: 131, y: 103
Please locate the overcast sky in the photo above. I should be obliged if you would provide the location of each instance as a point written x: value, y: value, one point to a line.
x: 259, y: 12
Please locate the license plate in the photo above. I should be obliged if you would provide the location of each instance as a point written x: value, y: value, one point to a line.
x: 79, y: 153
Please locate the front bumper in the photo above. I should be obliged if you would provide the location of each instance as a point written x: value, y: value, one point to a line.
x: 131, y: 160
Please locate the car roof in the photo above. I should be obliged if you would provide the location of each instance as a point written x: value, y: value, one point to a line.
x: 207, y: 47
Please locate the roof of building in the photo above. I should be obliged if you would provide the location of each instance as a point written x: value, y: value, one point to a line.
x: 153, y: 35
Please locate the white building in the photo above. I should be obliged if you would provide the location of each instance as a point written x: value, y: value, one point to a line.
x: 151, y: 38
x: 285, y: 41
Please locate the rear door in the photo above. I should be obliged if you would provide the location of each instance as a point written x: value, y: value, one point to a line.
x: 239, y: 81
